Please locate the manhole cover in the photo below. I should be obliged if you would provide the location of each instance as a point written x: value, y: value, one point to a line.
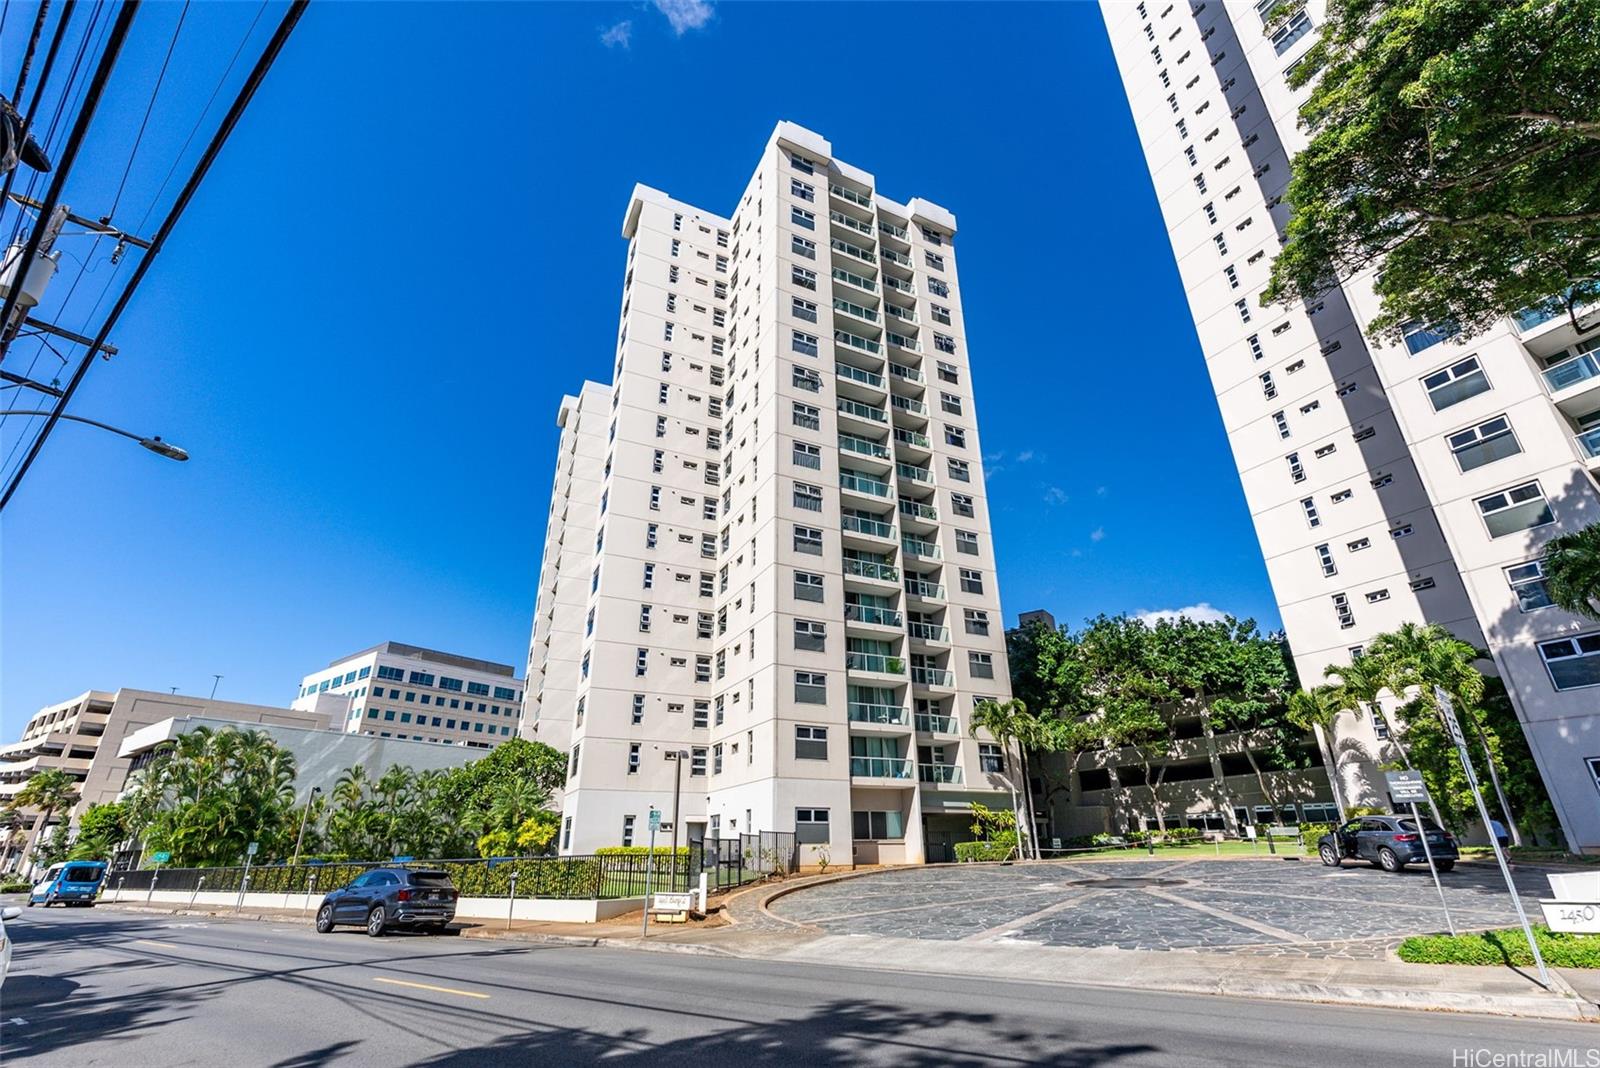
x: 1127, y: 882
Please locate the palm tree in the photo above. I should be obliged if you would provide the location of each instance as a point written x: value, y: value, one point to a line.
x: 1572, y: 571
x: 48, y: 791
x: 1010, y: 722
x: 1315, y: 711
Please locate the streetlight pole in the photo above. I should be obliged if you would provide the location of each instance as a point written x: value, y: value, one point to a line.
x: 304, y: 814
x: 154, y: 444
x: 677, y: 756
x: 216, y: 680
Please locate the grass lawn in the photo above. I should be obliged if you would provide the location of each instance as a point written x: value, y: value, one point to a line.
x: 1285, y: 847
x: 1509, y: 947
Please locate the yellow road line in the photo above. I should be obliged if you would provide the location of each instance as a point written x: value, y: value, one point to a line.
x: 425, y: 986
x: 158, y: 945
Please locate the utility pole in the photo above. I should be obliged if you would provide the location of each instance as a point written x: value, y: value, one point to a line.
x: 215, y: 679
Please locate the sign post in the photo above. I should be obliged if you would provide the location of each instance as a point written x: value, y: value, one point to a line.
x: 1407, y: 787
x: 1448, y: 711
x: 244, y: 881
x: 649, y: 867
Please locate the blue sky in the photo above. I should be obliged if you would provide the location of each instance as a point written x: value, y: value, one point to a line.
x: 410, y: 250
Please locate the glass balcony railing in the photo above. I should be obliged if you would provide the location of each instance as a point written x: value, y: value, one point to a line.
x: 860, y: 312
x: 850, y: 480
x: 913, y: 438
x: 851, y: 224
x: 862, y: 254
x: 927, y: 676
x: 910, y: 374
x: 887, y: 665
x: 905, y: 314
x: 876, y: 528
x: 851, y: 443
x: 872, y: 569
x: 872, y: 614
x: 862, y: 411
x: 917, y: 547
x: 932, y: 724
x: 914, y: 473
x: 850, y: 278
x: 904, y: 342
x: 930, y: 632
x: 888, y: 715
x: 928, y: 591
x: 907, y: 404
x: 894, y: 231
x: 896, y: 257
x: 919, y: 511
x: 900, y: 285
x: 880, y: 767
x: 844, y: 193
x: 856, y: 374
x: 1571, y: 372
x: 856, y: 341
x: 1589, y: 442
x: 939, y: 773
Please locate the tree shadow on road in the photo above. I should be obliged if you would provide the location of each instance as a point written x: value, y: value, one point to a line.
x: 835, y: 1033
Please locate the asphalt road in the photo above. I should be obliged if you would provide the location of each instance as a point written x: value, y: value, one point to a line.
x: 103, y: 987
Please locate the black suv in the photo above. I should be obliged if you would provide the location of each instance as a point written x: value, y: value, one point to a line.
x: 387, y: 897
x: 1391, y: 842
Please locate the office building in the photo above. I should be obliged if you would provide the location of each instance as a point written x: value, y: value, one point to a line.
x: 423, y: 695
x: 1388, y: 482
x: 768, y: 549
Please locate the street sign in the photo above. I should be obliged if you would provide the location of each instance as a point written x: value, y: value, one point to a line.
x: 401, y: 860
x: 1406, y: 787
x: 250, y: 850
x: 671, y: 902
x: 160, y: 857
x: 1451, y: 724
x: 655, y: 819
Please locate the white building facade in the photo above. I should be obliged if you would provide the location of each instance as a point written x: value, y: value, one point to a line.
x: 411, y: 693
x: 769, y: 548
x: 1388, y: 483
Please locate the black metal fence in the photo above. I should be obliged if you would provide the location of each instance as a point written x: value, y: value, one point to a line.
x: 727, y: 862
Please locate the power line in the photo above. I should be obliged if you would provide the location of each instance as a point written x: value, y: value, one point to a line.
x: 69, y: 155
x: 257, y: 74
x: 154, y: 93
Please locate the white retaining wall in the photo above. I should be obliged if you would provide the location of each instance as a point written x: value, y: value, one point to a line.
x: 546, y: 909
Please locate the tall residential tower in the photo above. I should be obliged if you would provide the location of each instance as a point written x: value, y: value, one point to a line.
x: 768, y: 546
x: 1388, y: 482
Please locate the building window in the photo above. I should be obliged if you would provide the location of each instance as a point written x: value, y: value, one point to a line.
x: 1268, y: 389
x: 649, y: 571
x: 1297, y: 472
x: 627, y: 830
x: 1285, y: 36
x: 810, y: 635
x: 641, y: 661
x: 803, y: 190
x: 811, y: 687
x: 633, y: 758
x: 803, y: 278
x: 1518, y: 508
x: 644, y: 617
x: 810, y: 743
x: 960, y: 470
x: 811, y: 826
x: 803, y: 343
x: 991, y: 759
x: 980, y: 665
x: 808, y: 497
x: 1573, y: 662
x: 1483, y: 444
x: 971, y: 581
x: 1282, y: 423
x: 1527, y: 582
x: 1341, y: 608
x: 801, y: 247
x: 697, y: 760
x: 976, y: 621
x: 1325, y: 558
x: 1455, y: 383
x: 807, y: 379
x: 956, y: 436
x: 807, y: 417
x: 967, y: 542
x: 806, y: 454
x: 1309, y: 506
x: 877, y: 826
x: 807, y: 587
x: 716, y: 759
x: 961, y: 504
x: 638, y: 708
x: 572, y: 763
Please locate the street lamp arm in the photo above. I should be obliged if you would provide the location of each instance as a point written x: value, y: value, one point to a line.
x: 154, y: 444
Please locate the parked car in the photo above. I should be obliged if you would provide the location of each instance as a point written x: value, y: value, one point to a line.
x: 1390, y: 842
x: 7, y: 914
x: 72, y: 882
x: 390, y: 897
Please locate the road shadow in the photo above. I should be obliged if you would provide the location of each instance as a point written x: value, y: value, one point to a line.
x: 835, y: 1033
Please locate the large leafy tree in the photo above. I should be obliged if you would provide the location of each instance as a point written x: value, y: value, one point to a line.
x: 48, y: 792
x: 1457, y: 144
x: 101, y: 829
x: 1572, y: 571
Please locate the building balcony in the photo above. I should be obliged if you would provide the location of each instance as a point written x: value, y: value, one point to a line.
x: 880, y: 768
x: 932, y: 724
x: 875, y: 663
x: 899, y: 259
x: 857, y: 342
x: 855, y: 482
x: 927, y: 676
x: 928, y: 591
x: 909, y: 406
x: 927, y: 550
x: 916, y: 510
x: 878, y: 715
x: 909, y: 374
x: 871, y: 528
x: 1546, y: 329
x: 939, y: 774
x: 851, y: 373
x: 930, y: 632
x: 853, y: 251
x: 871, y: 569
x: 850, y: 278
x: 899, y: 285
x: 1574, y: 384
x: 873, y: 616
x: 839, y: 218
x: 899, y: 233
x: 850, y: 196
x: 864, y: 412
x: 903, y: 341
x: 1589, y: 443
x: 905, y: 315
x: 855, y: 311
x: 913, y: 473
x: 863, y: 447
x: 912, y: 439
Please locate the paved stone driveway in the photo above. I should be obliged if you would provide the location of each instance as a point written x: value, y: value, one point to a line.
x: 1258, y: 907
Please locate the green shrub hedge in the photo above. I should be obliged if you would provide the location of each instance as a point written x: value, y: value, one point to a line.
x: 1507, y: 947
x: 1311, y: 833
x: 1002, y: 847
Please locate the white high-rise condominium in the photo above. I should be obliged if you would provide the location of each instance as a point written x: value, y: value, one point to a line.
x: 1388, y: 482
x: 768, y: 543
